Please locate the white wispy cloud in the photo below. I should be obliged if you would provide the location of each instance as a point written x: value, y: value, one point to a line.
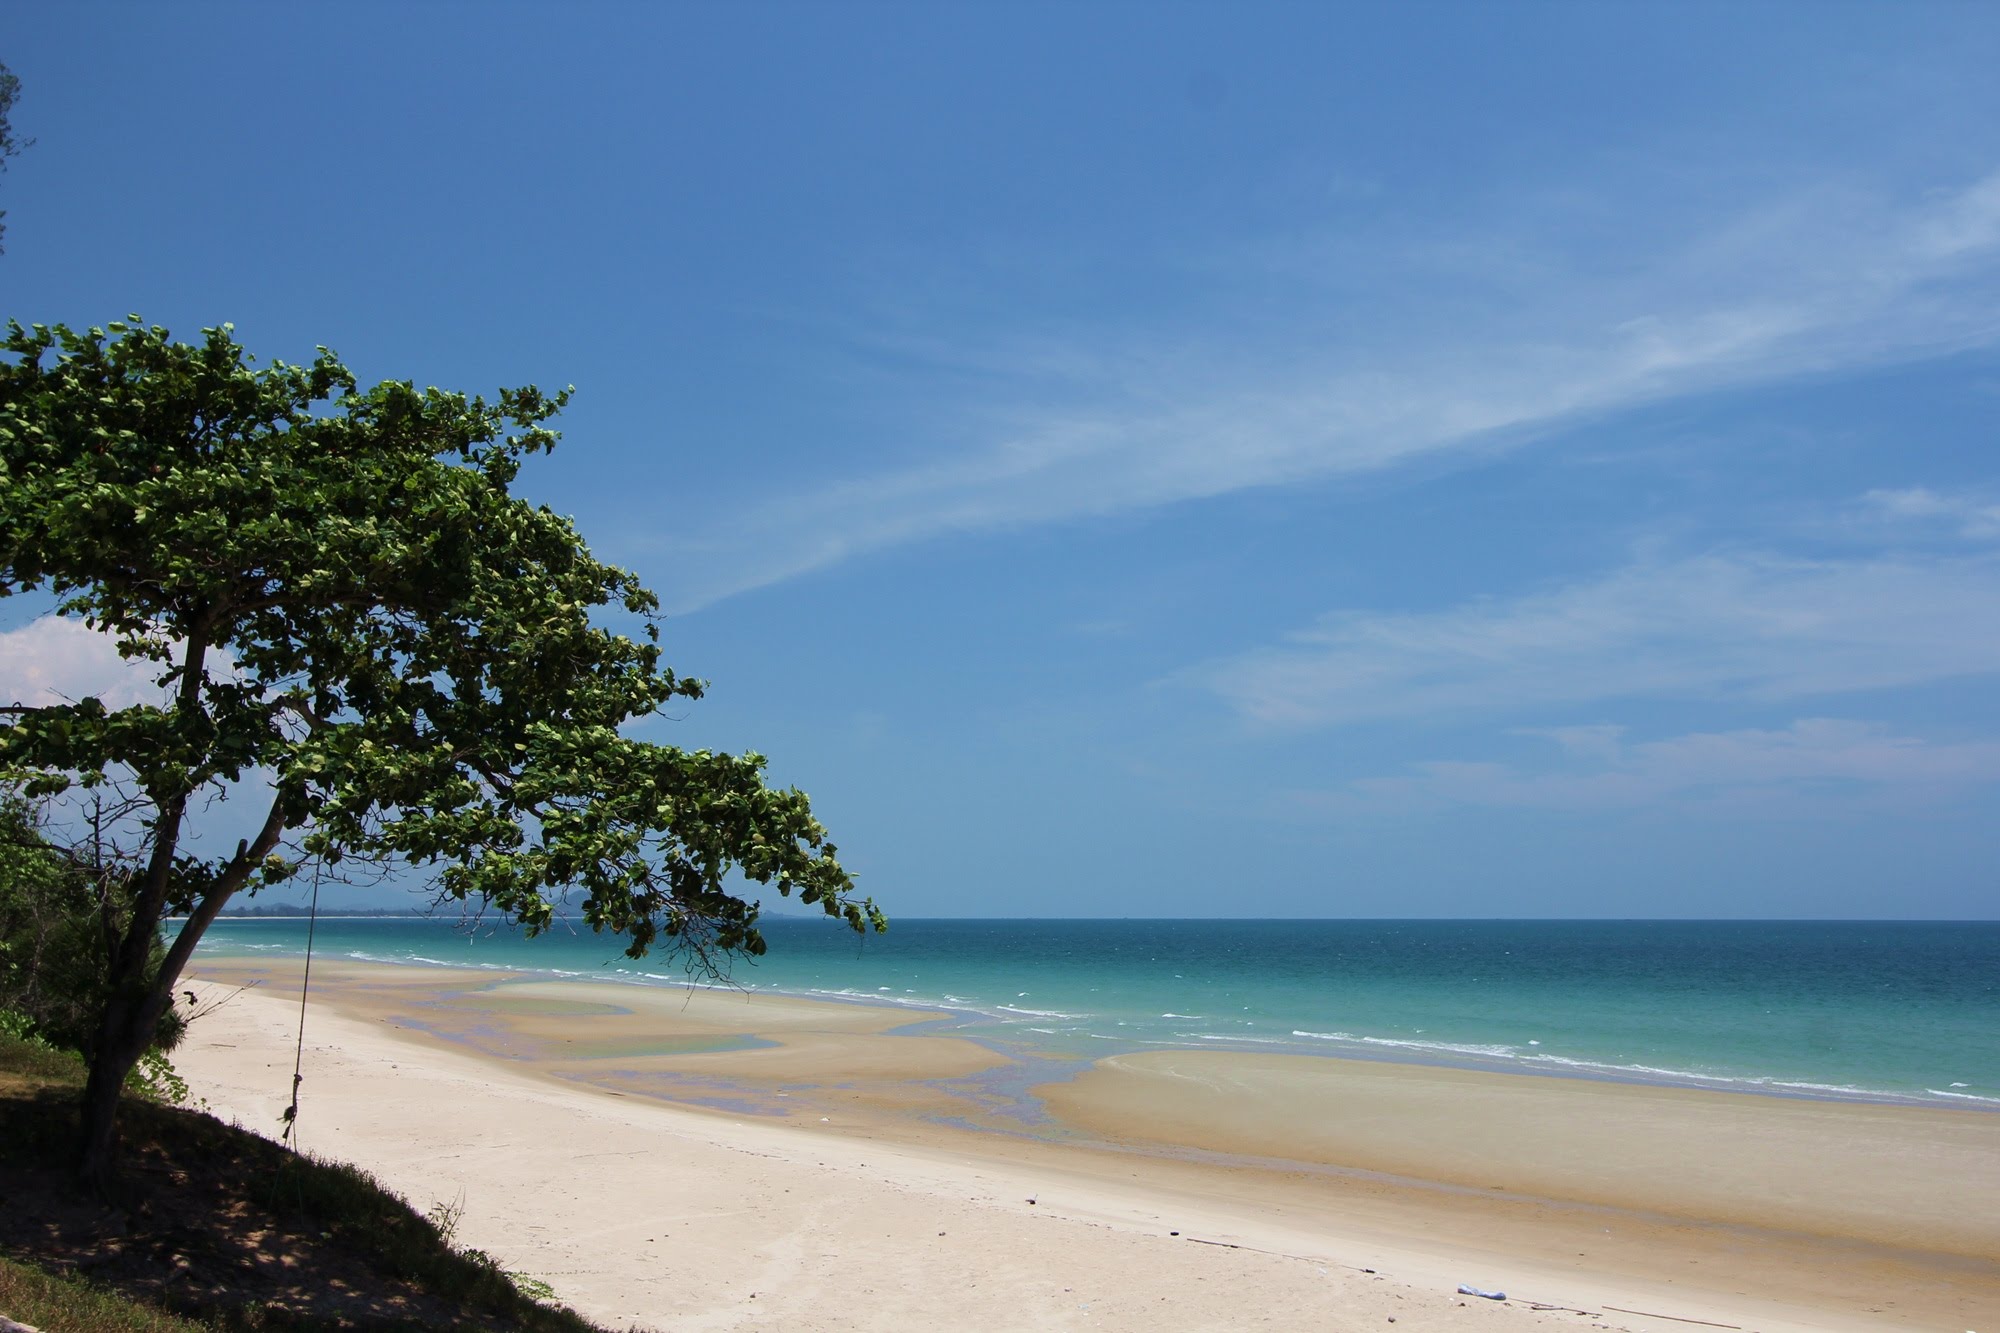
x: 1832, y: 281
x: 1971, y: 517
x: 56, y: 660
x: 1749, y: 768
x: 1741, y: 625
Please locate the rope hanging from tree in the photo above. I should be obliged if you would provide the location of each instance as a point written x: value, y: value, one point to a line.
x: 291, y: 1116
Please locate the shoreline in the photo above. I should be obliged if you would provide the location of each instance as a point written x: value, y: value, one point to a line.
x: 1359, y: 1049
x: 825, y: 1077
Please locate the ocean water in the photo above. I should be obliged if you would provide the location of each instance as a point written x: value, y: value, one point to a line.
x: 1899, y: 1011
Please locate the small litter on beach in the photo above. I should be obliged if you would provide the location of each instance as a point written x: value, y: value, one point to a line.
x: 1464, y: 1290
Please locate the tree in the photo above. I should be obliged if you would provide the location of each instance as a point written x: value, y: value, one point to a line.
x: 354, y: 619
x: 10, y: 89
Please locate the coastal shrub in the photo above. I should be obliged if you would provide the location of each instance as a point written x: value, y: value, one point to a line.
x: 56, y: 922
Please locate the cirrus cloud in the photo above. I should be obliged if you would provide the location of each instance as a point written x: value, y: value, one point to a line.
x: 1744, y: 768
x: 1736, y: 625
x: 1096, y: 422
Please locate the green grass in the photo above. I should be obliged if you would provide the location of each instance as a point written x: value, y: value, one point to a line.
x: 221, y: 1229
x: 70, y: 1305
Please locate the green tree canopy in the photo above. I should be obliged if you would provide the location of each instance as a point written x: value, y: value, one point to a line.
x: 344, y: 600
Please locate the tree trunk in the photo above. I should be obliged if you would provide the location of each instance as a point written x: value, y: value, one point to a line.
x: 132, y: 1016
x: 111, y: 1063
x: 132, y: 1013
x: 136, y: 1003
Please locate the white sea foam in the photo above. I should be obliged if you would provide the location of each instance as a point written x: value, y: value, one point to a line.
x: 1746, y: 1082
x: 1639, y: 1071
x: 871, y: 997
x: 1454, y: 1048
x: 1839, y: 1089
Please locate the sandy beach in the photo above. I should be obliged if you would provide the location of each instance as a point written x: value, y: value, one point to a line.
x: 675, y: 1159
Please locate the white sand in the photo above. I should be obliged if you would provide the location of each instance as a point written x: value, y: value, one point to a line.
x: 642, y: 1213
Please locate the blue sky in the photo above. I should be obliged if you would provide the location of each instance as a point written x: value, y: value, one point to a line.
x: 1425, y: 460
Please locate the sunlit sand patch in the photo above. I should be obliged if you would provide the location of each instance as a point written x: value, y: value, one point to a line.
x: 527, y: 1026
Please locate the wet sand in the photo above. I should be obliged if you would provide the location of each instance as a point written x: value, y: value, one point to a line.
x: 1911, y: 1177
x: 659, y: 1154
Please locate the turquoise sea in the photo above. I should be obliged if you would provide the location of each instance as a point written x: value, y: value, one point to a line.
x: 1872, y: 1010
